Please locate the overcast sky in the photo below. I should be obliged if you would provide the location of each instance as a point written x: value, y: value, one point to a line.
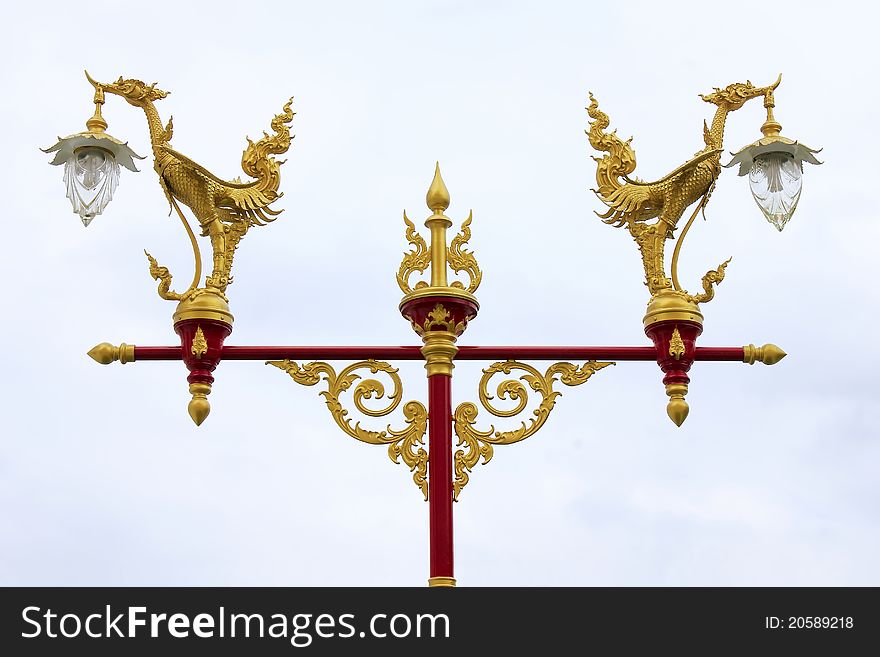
x: 772, y: 480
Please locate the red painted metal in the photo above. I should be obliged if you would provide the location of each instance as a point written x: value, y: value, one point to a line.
x: 675, y: 368
x: 157, y: 353
x: 202, y: 365
x: 719, y: 353
x: 555, y: 353
x: 231, y: 352
x: 440, y: 474
x: 322, y: 353
x: 460, y: 311
x: 436, y: 318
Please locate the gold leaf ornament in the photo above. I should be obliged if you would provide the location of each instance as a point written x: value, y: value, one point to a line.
x: 676, y: 345
x: 199, y: 344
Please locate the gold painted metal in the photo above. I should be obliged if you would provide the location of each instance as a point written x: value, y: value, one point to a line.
x: 672, y: 305
x: 460, y: 259
x: 428, y: 292
x: 439, y: 350
x: 771, y: 127
x: 199, y: 406
x: 437, y: 199
x: 97, y: 122
x: 225, y: 210
x: 404, y: 444
x: 439, y: 317
x: 438, y: 257
x: 439, y: 331
x: 633, y: 203
x: 162, y: 274
x: 480, y: 443
x: 441, y: 581
x: 769, y: 354
x: 106, y: 353
x: 199, y: 344
x: 676, y: 345
x: 414, y: 261
x: 677, y: 409
x: 204, y: 304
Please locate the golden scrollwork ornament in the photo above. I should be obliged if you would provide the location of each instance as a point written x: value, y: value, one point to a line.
x: 415, y: 261
x: 462, y: 260
x: 479, y: 443
x: 404, y: 444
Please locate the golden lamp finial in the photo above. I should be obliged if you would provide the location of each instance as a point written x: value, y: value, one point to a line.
x: 771, y: 127
x: 439, y: 256
x: 437, y: 197
x: 97, y: 123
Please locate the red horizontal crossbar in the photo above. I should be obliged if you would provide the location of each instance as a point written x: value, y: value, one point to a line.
x: 464, y: 353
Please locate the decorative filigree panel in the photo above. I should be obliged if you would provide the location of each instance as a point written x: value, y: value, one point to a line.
x: 404, y: 444
x: 480, y: 443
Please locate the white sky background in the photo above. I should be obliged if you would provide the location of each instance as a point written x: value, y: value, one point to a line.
x: 773, y: 479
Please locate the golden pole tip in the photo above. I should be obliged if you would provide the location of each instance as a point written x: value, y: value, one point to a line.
x: 769, y: 354
x: 772, y: 354
x: 198, y: 408
x: 437, y: 197
x: 677, y: 410
x: 104, y: 353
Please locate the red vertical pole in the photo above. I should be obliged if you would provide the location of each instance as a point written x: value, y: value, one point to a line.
x: 440, y: 479
x: 440, y: 320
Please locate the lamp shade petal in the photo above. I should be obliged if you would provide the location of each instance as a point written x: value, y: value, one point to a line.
x: 121, y: 152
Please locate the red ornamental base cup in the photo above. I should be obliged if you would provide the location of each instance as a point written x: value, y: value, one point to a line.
x: 201, y: 342
x: 439, y: 313
x: 675, y: 344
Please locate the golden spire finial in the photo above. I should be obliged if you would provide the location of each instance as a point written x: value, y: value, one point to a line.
x: 97, y: 122
x: 438, y: 256
x: 437, y: 197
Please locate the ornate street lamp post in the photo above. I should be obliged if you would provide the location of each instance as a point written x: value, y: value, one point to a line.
x: 438, y: 308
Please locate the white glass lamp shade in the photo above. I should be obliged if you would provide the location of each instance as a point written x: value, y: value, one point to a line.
x: 776, y: 180
x: 91, y: 176
x: 775, y: 168
x: 91, y: 170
